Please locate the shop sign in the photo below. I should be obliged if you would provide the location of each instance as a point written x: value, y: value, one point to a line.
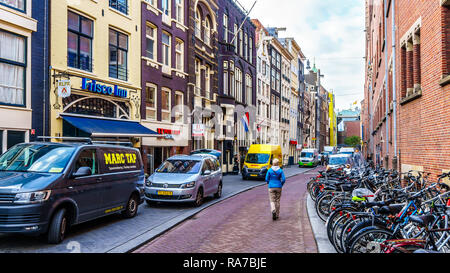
x: 63, y: 88
x: 95, y: 87
x: 198, y: 130
x: 168, y: 133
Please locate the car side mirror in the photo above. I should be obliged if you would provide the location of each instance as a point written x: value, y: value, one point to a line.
x: 206, y: 172
x: 82, y: 171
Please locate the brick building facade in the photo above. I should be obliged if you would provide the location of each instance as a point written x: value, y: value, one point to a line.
x: 407, y: 90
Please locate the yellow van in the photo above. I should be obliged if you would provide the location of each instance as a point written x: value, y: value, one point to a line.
x: 259, y: 159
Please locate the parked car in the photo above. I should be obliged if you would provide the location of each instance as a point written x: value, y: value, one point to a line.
x: 340, y: 160
x: 185, y: 178
x: 46, y: 187
x: 309, y: 158
x: 259, y: 159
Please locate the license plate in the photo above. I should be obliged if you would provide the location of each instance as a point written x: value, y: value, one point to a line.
x: 254, y: 175
x: 165, y: 193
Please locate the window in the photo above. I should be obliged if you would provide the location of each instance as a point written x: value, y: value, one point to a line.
x: 12, y: 68
x: 14, y: 137
x: 179, y: 107
x: 225, y: 78
x: 446, y: 40
x: 166, y: 43
x: 118, y: 54
x: 249, y: 89
x: 207, y: 32
x: 225, y: 28
x: 150, y: 102
x: 15, y: 4
x: 79, y: 42
x: 207, y: 81
x: 241, y: 43
x: 238, y: 85
x: 235, y: 38
x: 151, y: 34
x: 120, y: 5
x: 165, y: 7
x: 246, y: 46
x: 165, y: 105
x: 179, y: 55
x: 151, y: 2
x: 87, y: 158
x: 197, y: 77
x: 410, y: 65
x: 250, y: 50
x: 198, y: 25
x: 180, y: 11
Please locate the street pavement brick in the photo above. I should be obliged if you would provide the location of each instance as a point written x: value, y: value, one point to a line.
x: 243, y: 224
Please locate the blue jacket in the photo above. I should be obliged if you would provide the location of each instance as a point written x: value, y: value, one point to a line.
x: 275, y: 179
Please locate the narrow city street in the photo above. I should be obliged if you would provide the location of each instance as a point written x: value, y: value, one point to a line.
x: 115, y: 234
x: 243, y: 224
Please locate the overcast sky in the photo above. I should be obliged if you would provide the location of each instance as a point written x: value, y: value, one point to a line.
x: 329, y: 31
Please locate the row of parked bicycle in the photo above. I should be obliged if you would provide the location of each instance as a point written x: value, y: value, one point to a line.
x: 373, y: 210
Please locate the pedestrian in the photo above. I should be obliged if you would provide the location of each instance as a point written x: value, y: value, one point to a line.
x: 275, y: 179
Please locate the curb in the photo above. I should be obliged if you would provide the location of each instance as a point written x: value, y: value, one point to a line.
x: 319, y: 230
x: 151, y: 234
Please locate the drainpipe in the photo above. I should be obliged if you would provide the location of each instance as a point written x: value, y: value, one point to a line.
x: 394, y: 88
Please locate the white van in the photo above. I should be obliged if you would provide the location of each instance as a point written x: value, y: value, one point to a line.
x: 308, y: 157
x: 331, y: 150
x: 347, y: 150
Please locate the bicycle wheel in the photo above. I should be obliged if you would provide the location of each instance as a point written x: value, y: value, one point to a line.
x: 340, y: 223
x: 323, y: 207
x: 368, y: 241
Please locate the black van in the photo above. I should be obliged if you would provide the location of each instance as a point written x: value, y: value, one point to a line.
x: 45, y: 187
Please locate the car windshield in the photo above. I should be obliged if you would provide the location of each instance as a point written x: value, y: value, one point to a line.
x: 36, y: 158
x: 257, y: 158
x: 303, y: 154
x: 337, y: 161
x: 180, y: 166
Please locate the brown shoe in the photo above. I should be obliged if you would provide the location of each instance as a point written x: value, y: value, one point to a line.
x: 274, y: 215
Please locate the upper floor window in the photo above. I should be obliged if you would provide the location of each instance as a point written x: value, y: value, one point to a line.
x: 151, y: 2
x: 241, y: 42
x: 207, y: 32
x: 15, y: 4
x: 151, y: 45
x: 198, y: 25
x: 165, y: 104
x: 225, y: 28
x: 180, y: 11
x: 118, y: 55
x: 12, y: 68
x: 246, y: 46
x: 235, y: 38
x: 150, y: 101
x: 79, y: 42
x: 120, y: 5
x: 250, y: 50
x: 179, y: 55
x: 166, y: 49
x: 165, y: 7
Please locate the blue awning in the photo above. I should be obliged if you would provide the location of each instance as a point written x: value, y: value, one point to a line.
x: 109, y: 128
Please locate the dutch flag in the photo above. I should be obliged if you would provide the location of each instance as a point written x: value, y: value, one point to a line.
x: 246, y: 121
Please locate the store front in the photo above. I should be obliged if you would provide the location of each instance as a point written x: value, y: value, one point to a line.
x: 172, y: 139
x: 99, y: 109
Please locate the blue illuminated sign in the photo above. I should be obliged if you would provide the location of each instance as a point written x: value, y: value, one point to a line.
x: 95, y: 87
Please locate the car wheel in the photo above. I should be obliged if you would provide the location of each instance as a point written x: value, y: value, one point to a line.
x: 132, y: 207
x: 58, y: 227
x: 218, y: 194
x: 199, y: 198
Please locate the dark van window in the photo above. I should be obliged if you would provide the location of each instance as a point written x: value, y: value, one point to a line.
x: 87, y: 158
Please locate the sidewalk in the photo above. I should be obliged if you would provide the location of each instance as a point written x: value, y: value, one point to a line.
x: 243, y: 224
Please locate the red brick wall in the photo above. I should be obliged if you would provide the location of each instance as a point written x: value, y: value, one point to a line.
x: 352, y: 128
x: 424, y: 123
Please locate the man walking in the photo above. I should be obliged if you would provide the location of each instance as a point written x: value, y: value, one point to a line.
x: 276, y: 179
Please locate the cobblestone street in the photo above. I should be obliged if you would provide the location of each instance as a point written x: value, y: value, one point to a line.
x: 243, y: 224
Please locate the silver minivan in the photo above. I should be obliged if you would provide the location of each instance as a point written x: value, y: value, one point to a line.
x: 185, y: 178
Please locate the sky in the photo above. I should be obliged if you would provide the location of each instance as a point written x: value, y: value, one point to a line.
x: 330, y: 32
